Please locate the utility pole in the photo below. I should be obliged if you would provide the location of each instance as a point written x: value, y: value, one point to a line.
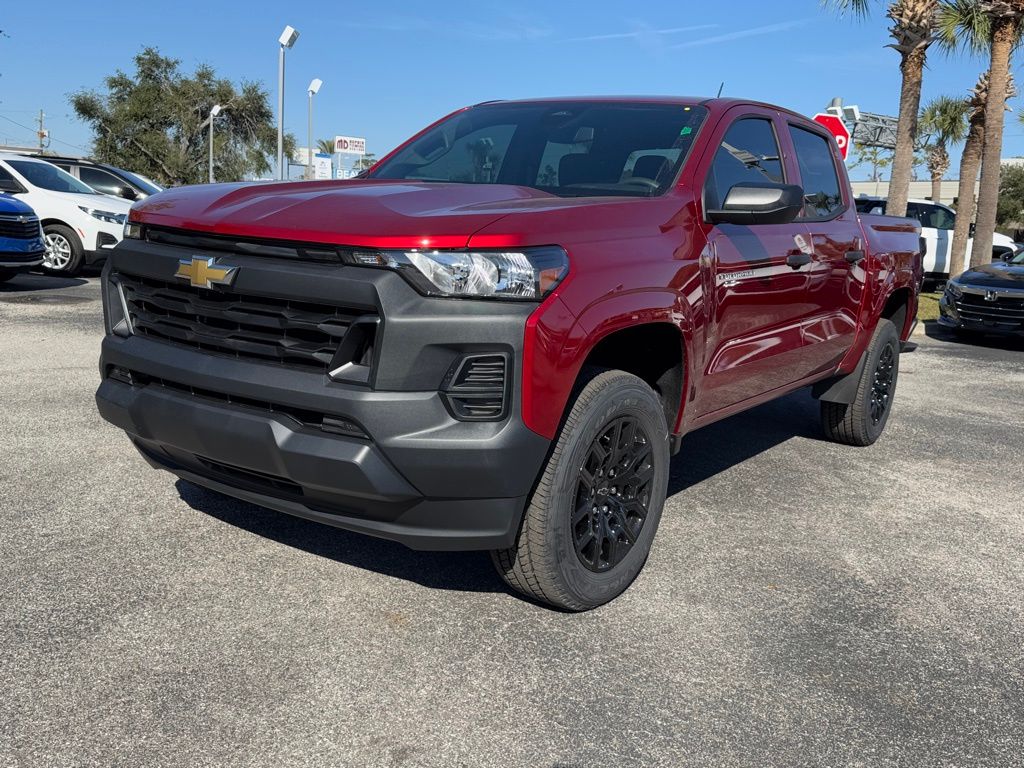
x: 42, y: 133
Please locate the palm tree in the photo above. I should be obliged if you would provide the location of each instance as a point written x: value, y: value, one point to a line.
x: 1005, y: 18
x: 970, y: 163
x: 326, y: 146
x: 913, y: 30
x: 978, y: 26
x: 944, y: 121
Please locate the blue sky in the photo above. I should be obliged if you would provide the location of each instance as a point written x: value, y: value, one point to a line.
x: 389, y: 68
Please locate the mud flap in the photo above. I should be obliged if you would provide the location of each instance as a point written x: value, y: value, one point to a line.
x: 843, y: 388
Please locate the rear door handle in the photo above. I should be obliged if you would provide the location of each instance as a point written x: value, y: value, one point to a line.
x: 854, y: 256
x: 797, y: 260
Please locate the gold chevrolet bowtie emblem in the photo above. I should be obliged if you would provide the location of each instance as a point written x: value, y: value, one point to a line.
x: 201, y: 273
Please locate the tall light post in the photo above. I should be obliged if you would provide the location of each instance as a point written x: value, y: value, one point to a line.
x: 287, y: 40
x: 314, y: 88
x: 213, y: 115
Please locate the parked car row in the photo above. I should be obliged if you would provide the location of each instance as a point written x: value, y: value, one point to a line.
x: 937, y: 222
x: 80, y: 205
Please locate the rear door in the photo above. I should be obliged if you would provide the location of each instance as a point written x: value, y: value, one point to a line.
x: 835, y: 275
x: 757, y: 304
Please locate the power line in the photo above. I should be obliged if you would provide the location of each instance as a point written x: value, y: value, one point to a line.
x: 33, y: 131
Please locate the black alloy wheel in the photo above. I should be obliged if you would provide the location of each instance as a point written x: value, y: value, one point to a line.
x: 882, y: 383
x: 613, y: 494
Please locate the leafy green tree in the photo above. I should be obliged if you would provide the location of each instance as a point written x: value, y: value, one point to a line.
x: 943, y: 121
x: 876, y: 158
x: 366, y: 161
x: 913, y: 31
x: 157, y: 121
x: 1010, y: 211
x: 326, y: 146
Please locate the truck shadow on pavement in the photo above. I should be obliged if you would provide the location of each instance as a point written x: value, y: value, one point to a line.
x: 705, y: 453
x: 729, y: 442
x: 456, y: 571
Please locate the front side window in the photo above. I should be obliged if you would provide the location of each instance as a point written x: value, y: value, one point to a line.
x: 822, y: 195
x: 50, y: 177
x: 570, y: 149
x: 749, y: 153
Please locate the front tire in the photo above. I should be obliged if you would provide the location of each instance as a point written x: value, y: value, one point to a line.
x: 6, y: 274
x: 862, y: 421
x: 64, y: 251
x: 589, y: 525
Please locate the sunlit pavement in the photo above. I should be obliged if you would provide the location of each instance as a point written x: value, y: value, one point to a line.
x: 806, y: 603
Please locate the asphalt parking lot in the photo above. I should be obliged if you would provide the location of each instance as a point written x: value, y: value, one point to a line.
x: 805, y: 603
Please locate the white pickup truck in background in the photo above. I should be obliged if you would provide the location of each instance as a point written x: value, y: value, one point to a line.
x: 937, y: 222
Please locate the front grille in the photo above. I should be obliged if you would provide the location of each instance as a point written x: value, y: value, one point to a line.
x: 1004, y: 312
x: 13, y: 227
x: 296, y: 334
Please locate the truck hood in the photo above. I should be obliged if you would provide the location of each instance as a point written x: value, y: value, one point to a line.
x: 994, y: 276
x: 380, y: 214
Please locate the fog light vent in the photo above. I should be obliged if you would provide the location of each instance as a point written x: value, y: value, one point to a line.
x: 476, y: 388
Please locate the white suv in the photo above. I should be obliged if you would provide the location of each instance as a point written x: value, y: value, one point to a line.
x: 937, y: 222
x: 79, y: 224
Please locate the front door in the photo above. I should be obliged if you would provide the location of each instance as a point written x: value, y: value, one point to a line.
x: 758, y: 299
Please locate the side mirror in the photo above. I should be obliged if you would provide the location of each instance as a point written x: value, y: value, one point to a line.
x: 127, y: 193
x: 759, y: 203
x: 10, y: 185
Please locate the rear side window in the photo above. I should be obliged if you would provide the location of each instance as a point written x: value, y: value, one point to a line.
x: 818, y: 176
x: 101, y: 181
x: 749, y: 153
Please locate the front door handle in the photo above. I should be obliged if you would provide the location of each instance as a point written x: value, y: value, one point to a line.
x: 797, y: 260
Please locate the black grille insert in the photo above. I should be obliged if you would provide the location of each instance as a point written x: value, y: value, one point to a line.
x: 296, y: 334
x: 1004, y: 312
x: 14, y: 227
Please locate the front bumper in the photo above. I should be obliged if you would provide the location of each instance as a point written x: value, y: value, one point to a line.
x: 21, y: 261
x: 416, y: 475
x: 1002, y: 313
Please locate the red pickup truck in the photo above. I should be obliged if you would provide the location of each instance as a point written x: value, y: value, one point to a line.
x: 496, y: 337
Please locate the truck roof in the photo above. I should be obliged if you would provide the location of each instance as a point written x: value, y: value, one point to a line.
x: 714, y: 104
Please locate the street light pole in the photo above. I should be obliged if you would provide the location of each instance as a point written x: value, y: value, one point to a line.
x: 287, y: 40
x: 213, y: 116
x: 314, y: 87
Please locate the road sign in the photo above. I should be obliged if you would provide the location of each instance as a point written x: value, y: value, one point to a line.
x: 837, y: 128
x: 349, y: 145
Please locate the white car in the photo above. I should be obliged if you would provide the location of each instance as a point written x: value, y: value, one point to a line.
x: 80, y: 225
x: 937, y: 222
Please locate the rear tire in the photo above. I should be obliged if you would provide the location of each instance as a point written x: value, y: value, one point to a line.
x: 64, y: 251
x: 589, y: 525
x: 862, y: 421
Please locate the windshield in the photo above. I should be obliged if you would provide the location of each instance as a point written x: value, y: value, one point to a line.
x: 1018, y: 257
x: 149, y: 187
x: 50, y: 177
x: 571, y: 149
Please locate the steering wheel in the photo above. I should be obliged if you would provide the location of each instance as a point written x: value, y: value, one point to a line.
x: 643, y: 181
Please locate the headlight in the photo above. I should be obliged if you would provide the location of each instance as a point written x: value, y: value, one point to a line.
x: 107, y: 216
x: 953, y: 290
x: 132, y: 230
x: 530, y: 273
